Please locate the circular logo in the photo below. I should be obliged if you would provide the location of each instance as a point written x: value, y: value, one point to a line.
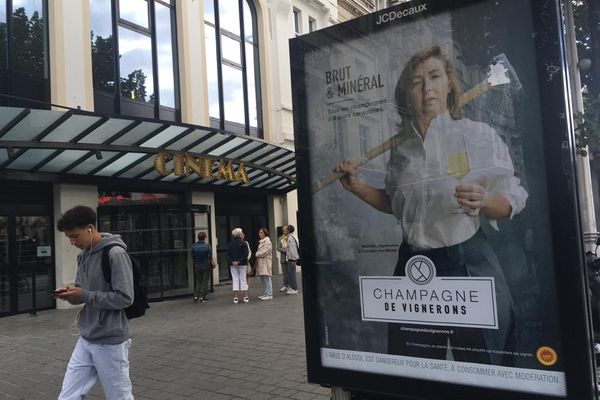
x: 546, y: 355
x: 420, y: 270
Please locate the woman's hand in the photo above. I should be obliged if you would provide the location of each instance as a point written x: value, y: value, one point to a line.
x: 349, y: 180
x: 470, y: 196
x: 376, y: 198
x: 476, y: 197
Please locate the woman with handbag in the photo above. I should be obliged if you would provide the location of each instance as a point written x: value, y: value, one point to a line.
x: 264, y: 263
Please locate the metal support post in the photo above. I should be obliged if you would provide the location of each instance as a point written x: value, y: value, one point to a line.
x: 338, y: 393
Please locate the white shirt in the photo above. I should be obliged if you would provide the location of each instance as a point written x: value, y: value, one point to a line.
x: 422, y: 193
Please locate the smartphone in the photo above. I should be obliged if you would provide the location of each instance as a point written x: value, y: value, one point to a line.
x: 59, y: 290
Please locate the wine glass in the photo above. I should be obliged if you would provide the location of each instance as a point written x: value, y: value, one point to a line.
x: 458, y: 163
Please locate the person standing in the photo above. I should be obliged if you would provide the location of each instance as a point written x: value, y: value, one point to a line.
x: 237, y: 256
x: 264, y: 263
x: 292, y: 255
x: 203, y: 263
x: 249, y: 270
x: 282, y: 249
x: 102, y: 350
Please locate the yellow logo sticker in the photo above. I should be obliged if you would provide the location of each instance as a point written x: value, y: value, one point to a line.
x: 546, y: 355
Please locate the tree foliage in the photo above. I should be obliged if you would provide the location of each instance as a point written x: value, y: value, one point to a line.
x: 587, y: 29
x: 103, y: 68
x: 29, y: 43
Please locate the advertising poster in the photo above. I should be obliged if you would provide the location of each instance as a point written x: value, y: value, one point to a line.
x: 428, y: 218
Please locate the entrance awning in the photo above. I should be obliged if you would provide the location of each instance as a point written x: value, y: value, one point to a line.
x: 89, y: 145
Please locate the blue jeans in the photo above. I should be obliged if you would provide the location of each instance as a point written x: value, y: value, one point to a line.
x: 291, y: 273
x: 267, y: 285
x: 90, y: 362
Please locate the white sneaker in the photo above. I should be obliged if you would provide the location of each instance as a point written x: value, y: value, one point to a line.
x: 284, y: 289
x: 246, y: 299
x: 235, y: 300
x: 266, y: 297
x: 291, y: 291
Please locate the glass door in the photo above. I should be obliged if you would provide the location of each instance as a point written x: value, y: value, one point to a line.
x: 34, y: 261
x: 26, y: 259
x: 201, y: 223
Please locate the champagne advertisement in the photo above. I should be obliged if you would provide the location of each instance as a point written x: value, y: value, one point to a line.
x: 430, y: 219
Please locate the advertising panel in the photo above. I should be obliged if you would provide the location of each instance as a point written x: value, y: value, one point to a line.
x: 437, y: 212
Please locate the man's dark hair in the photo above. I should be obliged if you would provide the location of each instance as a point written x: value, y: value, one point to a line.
x: 291, y: 228
x: 201, y: 235
x: 76, y: 217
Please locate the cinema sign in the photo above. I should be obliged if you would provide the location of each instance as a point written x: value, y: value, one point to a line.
x: 184, y: 164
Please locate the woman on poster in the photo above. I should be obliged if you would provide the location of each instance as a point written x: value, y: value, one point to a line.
x: 445, y: 172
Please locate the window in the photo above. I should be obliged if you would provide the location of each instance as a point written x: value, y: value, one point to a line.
x: 24, y: 53
x: 232, y: 66
x: 141, y: 51
x: 312, y: 24
x: 297, y: 21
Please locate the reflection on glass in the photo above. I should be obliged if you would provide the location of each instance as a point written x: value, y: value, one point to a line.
x: 166, y: 79
x: 251, y: 79
x: 136, y: 66
x: 29, y: 31
x: 103, y: 70
x: 4, y: 277
x: 33, y: 258
x: 232, y: 63
x: 209, y: 11
x: 248, y: 29
x: 233, y: 94
x: 229, y: 16
x: 158, y: 235
x: 3, y: 35
x: 211, y: 72
x: 135, y: 11
x: 231, y: 49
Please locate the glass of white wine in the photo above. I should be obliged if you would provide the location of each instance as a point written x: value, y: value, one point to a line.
x: 458, y: 163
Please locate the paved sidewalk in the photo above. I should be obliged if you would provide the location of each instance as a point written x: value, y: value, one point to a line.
x: 181, y: 350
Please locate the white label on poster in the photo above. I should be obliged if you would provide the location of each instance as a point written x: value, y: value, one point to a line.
x: 44, y: 251
x: 473, y: 374
x: 445, y: 301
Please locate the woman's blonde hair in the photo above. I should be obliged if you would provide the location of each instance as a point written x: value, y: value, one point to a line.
x: 404, y: 84
x: 237, y: 233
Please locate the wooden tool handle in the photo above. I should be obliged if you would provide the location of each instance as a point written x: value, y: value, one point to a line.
x: 466, y: 97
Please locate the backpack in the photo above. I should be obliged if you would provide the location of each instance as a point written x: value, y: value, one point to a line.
x: 298, y: 262
x: 140, y: 292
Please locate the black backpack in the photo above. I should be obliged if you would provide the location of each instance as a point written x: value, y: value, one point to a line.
x: 140, y: 293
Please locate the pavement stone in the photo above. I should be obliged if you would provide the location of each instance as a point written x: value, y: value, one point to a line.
x: 181, y: 350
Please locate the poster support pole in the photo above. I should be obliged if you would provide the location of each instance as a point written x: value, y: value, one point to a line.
x: 338, y: 393
x: 586, y: 197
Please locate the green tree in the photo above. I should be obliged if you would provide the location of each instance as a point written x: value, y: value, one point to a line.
x: 134, y: 87
x: 28, y: 36
x: 103, y: 68
x: 587, y: 29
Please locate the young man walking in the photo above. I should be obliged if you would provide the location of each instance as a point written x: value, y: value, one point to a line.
x: 102, y: 350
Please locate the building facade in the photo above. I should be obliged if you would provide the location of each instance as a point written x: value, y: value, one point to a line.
x: 167, y: 117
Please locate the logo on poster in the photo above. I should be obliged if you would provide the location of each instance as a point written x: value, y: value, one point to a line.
x: 420, y: 270
x: 393, y: 15
x: 546, y: 355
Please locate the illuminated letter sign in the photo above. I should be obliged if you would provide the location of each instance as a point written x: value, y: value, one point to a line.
x: 186, y: 164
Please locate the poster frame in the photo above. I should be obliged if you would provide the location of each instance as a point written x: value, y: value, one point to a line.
x: 559, y: 149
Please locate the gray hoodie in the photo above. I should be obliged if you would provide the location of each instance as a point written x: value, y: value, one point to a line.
x: 102, y: 319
